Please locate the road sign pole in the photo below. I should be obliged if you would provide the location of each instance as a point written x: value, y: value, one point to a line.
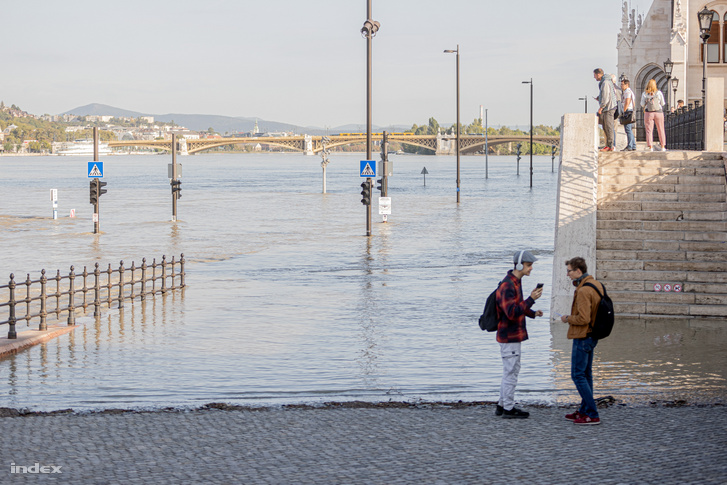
x: 96, y: 206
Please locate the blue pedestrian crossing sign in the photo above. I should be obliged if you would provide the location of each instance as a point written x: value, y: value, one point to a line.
x: 95, y: 169
x: 368, y: 168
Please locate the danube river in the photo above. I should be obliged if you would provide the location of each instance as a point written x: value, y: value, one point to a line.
x: 287, y: 300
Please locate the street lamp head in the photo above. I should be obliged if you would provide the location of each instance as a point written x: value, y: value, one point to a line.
x: 674, y: 83
x: 668, y: 66
x: 705, y: 22
x: 369, y: 29
x: 450, y: 51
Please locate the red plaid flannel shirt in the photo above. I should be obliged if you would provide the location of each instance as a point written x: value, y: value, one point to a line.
x: 512, y: 310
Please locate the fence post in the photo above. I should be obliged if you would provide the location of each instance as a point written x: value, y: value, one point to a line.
x: 96, y: 292
x: 171, y: 287
x: 108, y: 285
x: 11, y: 320
x: 28, y: 284
x: 121, y: 284
x: 164, y: 274
x: 85, y: 288
x: 131, y: 295
x: 58, y: 293
x: 71, y: 298
x: 181, y: 270
x: 43, y: 300
x: 143, y: 278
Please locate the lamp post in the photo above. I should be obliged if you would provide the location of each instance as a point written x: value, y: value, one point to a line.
x: 585, y: 103
x: 368, y: 31
x: 531, y: 130
x: 456, y: 51
x: 668, y: 66
x: 486, y: 146
x: 674, y: 84
x: 705, y: 26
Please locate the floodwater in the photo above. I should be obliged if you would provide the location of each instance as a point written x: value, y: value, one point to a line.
x: 287, y: 300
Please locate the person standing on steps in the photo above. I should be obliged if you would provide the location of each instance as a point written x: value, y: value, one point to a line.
x: 607, y: 104
x: 653, y: 103
x: 629, y: 101
x: 511, y: 330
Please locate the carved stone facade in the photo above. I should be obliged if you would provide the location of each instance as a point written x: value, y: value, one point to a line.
x: 670, y: 30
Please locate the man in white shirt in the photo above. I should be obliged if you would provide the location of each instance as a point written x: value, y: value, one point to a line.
x: 628, y: 101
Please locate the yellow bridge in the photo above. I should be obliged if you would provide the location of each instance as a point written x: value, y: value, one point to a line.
x: 310, y: 145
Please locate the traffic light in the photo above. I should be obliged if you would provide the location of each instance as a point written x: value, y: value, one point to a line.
x: 380, y: 185
x: 385, y: 149
x: 93, y: 188
x: 552, y: 150
x: 366, y: 193
x: 177, y: 188
x: 519, y: 146
x: 101, y: 190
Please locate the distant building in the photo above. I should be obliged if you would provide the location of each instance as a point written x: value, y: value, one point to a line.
x: 147, y: 119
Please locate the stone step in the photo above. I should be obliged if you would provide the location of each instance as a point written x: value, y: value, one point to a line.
x: 609, y: 187
x: 609, y: 157
x: 715, y: 197
x: 647, y: 205
x: 674, y: 245
x: 664, y: 163
x: 659, y: 215
x: 695, y: 276
x: 668, y: 309
x: 609, y: 230
x: 675, y: 259
x: 662, y: 226
x: 626, y: 287
x: 676, y: 179
x: 648, y: 171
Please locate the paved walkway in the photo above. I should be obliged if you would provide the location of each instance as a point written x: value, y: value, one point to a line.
x: 427, y: 444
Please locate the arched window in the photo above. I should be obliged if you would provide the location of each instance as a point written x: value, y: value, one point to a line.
x: 713, y: 41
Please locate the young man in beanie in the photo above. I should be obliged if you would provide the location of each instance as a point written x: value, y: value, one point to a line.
x: 580, y: 322
x: 511, y: 331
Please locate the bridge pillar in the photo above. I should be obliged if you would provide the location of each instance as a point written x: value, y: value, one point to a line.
x: 183, y: 146
x: 308, y: 142
x: 446, y: 146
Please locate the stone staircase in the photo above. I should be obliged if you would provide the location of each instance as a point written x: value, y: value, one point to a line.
x: 662, y: 225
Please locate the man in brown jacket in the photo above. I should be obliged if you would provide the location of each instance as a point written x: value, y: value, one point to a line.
x: 580, y: 324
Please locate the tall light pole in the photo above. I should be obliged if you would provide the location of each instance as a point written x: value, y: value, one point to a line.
x: 457, y: 52
x: 585, y: 103
x: 487, y: 149
x: 705, y: 26
x: 531, y: 130
x: 369, y: 29
x: 668, y: 66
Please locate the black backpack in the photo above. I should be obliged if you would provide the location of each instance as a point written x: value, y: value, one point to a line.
x: 604, y: 315
x: 488, y: 319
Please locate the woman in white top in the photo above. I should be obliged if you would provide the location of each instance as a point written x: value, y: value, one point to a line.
x: 653, y: 102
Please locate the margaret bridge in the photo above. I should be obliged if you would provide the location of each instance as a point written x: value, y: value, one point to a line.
x: 311, y: 145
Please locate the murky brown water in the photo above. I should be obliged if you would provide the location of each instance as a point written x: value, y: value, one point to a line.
x: 288, y: 301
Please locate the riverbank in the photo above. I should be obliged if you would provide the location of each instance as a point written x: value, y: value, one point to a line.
x: 429, y: 444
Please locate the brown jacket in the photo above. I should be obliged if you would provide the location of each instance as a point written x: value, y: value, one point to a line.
x: 585, y: 306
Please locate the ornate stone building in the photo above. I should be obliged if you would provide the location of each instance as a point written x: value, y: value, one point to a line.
x: 670, y: 30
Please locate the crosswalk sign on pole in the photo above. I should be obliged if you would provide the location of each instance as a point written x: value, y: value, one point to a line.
x: 368, y: 168
x: 95, y: 169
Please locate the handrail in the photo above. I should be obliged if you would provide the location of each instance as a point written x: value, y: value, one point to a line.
x: 114, y: 289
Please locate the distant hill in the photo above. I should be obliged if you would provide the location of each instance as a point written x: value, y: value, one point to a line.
x: 221, y: 124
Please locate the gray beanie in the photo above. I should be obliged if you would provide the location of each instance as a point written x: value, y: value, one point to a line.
x: 527, y: 257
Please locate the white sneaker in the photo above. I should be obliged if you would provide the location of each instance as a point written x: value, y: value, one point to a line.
x: 649, y: 149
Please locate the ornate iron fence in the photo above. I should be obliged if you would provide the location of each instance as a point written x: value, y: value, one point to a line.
x: 685, y: 128
x: 117, y: 286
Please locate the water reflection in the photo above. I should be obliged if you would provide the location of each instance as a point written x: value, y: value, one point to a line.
x: 288, y: 301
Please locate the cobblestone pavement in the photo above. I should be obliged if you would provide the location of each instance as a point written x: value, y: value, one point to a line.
x: 426, y: 444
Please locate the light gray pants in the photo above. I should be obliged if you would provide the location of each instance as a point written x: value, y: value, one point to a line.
x: 510, y: 369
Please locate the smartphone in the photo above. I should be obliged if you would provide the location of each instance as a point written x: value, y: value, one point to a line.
x: 540, y: 285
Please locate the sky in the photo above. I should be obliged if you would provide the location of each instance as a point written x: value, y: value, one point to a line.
x: 304, y: 62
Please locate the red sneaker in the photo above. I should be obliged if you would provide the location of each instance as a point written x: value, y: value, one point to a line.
x: 606, y: 149
x: 587, y: 420
x: 574, y: 416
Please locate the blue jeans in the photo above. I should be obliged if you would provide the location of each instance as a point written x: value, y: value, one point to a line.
x: 631, y: 141
x: 581, y: 371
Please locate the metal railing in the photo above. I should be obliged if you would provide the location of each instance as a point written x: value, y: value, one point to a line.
x: 685, y: 128
x: 117, y: 286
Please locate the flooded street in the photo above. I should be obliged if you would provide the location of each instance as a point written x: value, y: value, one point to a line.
x: 287, y: 300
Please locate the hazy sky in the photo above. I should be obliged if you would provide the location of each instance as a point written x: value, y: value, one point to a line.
x: 304, y: 62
